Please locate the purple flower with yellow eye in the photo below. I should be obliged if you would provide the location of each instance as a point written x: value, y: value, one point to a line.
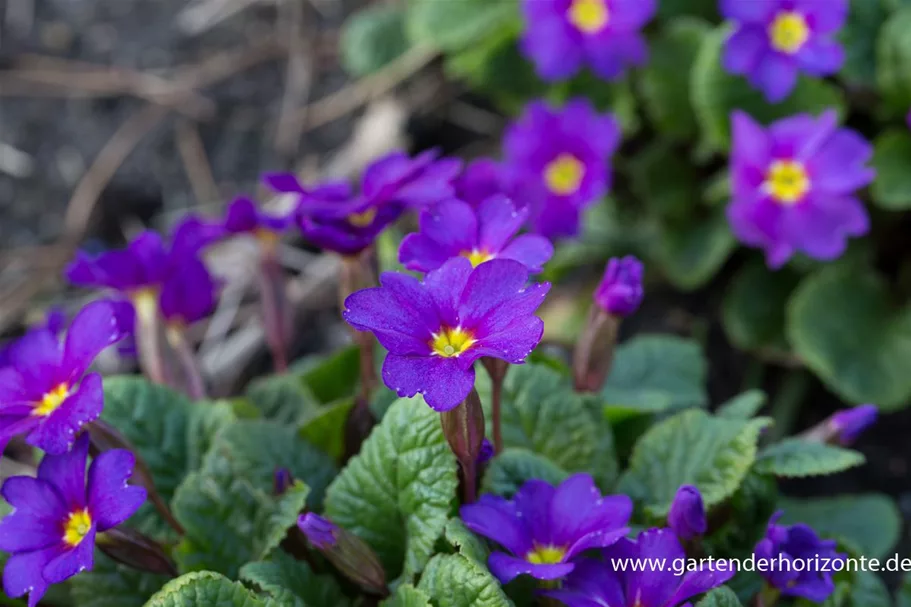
x: 56, y: 516
x: 596, y: 583
x: 547, y: 528
x: 774, y: 40
x: 563, y: 35
x: 436, y: 329
x: 794, y: 186
x: 481, y: 179
x: 558, y: 162
x: 45, y: 392
x: 452, y: 228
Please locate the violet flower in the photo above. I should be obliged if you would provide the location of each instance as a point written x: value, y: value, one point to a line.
x: 558, y: 161
x: 601, y: 582
x: 687, y: 515
x: 51, y: 531
x: 546, y: 528
x: 620, y: 291
x: 245, y: 217
x: 436, y: 329
x: 54, y: 321
x: 452, y: 228
x: 486, y: 453
x: 481, y: 179
x: 346, y: 551
x: 794, y: 186
x: 188, y: 294
x: 45, y: 392
x: 319, y: 531
x: 774, y: 40
x: 795, y: 542
x: 847, y: 425
x: 138, y: 268
x: 563, y: 35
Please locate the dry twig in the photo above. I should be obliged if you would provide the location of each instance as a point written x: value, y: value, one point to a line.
x: 196, y: 163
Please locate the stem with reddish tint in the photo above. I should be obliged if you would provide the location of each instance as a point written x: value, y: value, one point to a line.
x: 496, y: 369
x: 274, y: 308
x: 149, y: 344
x: 594, y: 352
x: 195, y: 386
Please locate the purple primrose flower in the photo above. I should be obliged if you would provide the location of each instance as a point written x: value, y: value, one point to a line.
x: 773, y: 40
x: 558, y: 162
x: 563, y: 35
x: 189, y: 294
x: 481, y: 179
x: 687, y: 515
x: 848, y: 424
x: 45, y: 392
x: 141, y: 266
x: 546, y: 528
x: 620, y: 291
x: 51, y: 531
x: 452, y: 228
x: 793, y: 186
x: 436, y: 329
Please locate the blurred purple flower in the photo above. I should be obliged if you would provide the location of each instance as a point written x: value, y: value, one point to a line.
x: 848, y: 424
x: 436, y: 329
x: 620, y: 291
x: 54, y: 321
x: 319, y: 531
x: 558, y: 161
x: 486, y: 453
x: 793, y: 186
x: 142, y: 265
x: 51, y: 531
x: 481, y: 179
x: 188, y: 294
x: 687, y: 515
x: 453, y: 228
x: 563, y: 35
x: 773, y: 40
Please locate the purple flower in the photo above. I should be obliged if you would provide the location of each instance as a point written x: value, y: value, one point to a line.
x: 193, y: 234
x: 773, y: 40
x: 452, y: 228
x: 608, y: 582
x: 319, y: 531
x: 798, y: 542
x: 188, y: 294
x: 244, y: 217
x: 486, y: 453
x: 481, y: 179
x: 349, y: 553
x: 51, y: 531
x: 546, y: 528
x: 436, y: 329
x: 142, y: 265
x: 687, y: 515
x: 793, y: 186
x: 563, y: 35
x: 43, y: 392
x: 558, y: 162
x: 282, y: 481
x: 54, y: 321
x: 620, y: 291
x: 848, y: 424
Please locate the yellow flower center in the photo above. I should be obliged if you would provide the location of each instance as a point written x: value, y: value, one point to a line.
x: 787, y: 182
x: 362, y: 219
x: 268, y: 239
x: 52, y: 400
x: 77, y: 527
x: 589, y: 16
x: 477, y: 256
x: 788, y: 32
x: 145, y: 302
x: 563, y: 175
x: 545, y: 555
x: 450, y: 343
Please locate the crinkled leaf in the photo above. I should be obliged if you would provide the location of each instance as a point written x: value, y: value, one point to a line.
x: 794, y: 457
x: 509, y: 470
x: 372, y: 38
x: 284, y: 399
x: 870, y: 523
x: 868, y: 362
x: 693, y: 251
x: 291, y: 582
x: 453, y: 26
x: 204, y: 589
x: 398, y: 492
x: 465, y: 542
x: 893, y: 62
x: 109, y: 584
x: 743, y: 406
x: 754, y: 306
x: 692, y: 447
x: 325, y: 429
x: 720, y: 597
x: 891, y: 158
x: 455, y: 581
x: 407, y: 595
x: 750, y: 509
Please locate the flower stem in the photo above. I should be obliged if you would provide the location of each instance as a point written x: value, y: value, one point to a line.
x: 470, y: 479
x: 274, y: 308
x: 594, y: 352
x: 148, y: 336
x: 196, y: 387
x: 497, y: 369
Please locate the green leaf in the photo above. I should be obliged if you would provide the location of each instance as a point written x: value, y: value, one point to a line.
x: 665, y: 181
x: 509, y: 470
x: 331, y: 378
x: 904, y: 594
x: 616, y: 97
x: 748, y: 513
x: 795, y: 458
x: 651, y: 369
x: 893, y: 62
x: 465, y: 542
x: 720, y: 597
x: 715, y: 94
x: 453, y: 26
x: 871, y: 522
x: 858, y: 38
x: 397, y: 493
x: 204, y: 589
x: 695, y: 448
x: 285, y: 399
x: 372, y: 38
x: 868, y: 361
x: 754, y: 306
x: 668, y: 9
x: 109, y: 584
x: 407, y: 595
x: 292, y: 583
x: 869, y: 590
x: 666, y: 77
x: 891, y: 159
x: 454, y: 581
x: 743, y: 406
x: 325, y: 429
x: 692, y: 252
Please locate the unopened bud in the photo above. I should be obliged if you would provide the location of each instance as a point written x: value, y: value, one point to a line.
x: 282, y: 481
x: 843, y: 427
x: 135, y: 550
x: 346, y: 551
x: 687, y: 515
x: 487, y: 452
x: 463, y: 428
x: 620, y: 291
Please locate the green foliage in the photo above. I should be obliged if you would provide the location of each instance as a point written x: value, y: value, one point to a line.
x: 292, y: 583
x: 325, y: 429
x: 743, y: 406
x: 509, y: 470
x: 692, y: 252
x: 465, y: 542
x: 453, y: 26
x: 109, y: 584
x: 373, y: 38
x: 720, y: 597
x: 754, y: 306
x: 285, y: 399
x: 891, y: 158
x: 407, y: 595
x: 893, y: 62
x: 453, y: 580
x: 745, y: 519
x: 794, y: 457
x: 397, y: 493
x: 904, y: 594
x: 869, y: 590
x: 858, y: 37
x: 665, y: 181
x: 204, y: 589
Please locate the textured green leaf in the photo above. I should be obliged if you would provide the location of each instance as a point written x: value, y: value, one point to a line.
x: 749, y: 511
x: 715, y: 94
x: 893, y: 62
x: 292, y: 583
x: 204, y: 589
x: 743, y: 406
x: 692, y: 447
x: 904, y: 593
x: 397, y: 493
x: 453, y: 26
x: 869, y: 590
x: 465, y: 542
x: 870, y: 523
x: 858, y: 38
x: 867, y: 363
x: 651, y: 369
x: 455, y: 581
x: 372, y: 38
x: 325, y: 429
x: 407, y: 595
x: 334, y: 377
x: 509, y: 470
x: 285, y: 399
x: 665, y: 181
x: 754, y: 306
x: 720, y: 597
x: 111, y: 585
x: 891, y: 159
x: 692, y: 252
x: 794, y: 457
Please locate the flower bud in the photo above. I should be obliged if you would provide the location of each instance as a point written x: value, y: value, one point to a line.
x: 346, y: 551
x: 486, y: 453
x: 282, y: 481
x: 136, y: 550
x: 846, y: 425
x: 463, y: 428
x: 620, y: 291
x: 687, y: 515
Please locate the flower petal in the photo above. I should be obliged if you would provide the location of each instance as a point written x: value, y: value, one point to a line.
x: 611, y: 53
x: 838, y: 167
x: 550, y: 45
x: 655, y: 587
x: 56, y: 433
x: 22, y: 573
x: 532, y: 502
x: 451, y: 224
x: 421, y: 254
x: 93, y: 329
x: 490, y: 286
x: 79, y: 559
x: 578, y: 510
x: 531, y: 250
x: 821, y: 56
x: 66, y: 473
x: 401, y: 327
x: 749, y: 11
x: 498, y: 221
x: 441, y: 381
x: 37, y: 357
x: 111, y: 499
x: 592, y: 583
x: 445, y: 286
x: 506, y: 568
x: 514, y: 312
x: 14, y: 390
x: 823, y: 16
x: 497, y: 519
x: 743, y: 48
x: 703, y: 580
x: 775, y: 75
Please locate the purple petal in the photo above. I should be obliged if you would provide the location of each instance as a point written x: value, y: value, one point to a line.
x: 66, y: 473
x: 631, y: 14
x: 421, y: 254
x: 241, y: 216
x: 531, y: 250
x: 34, y: 496
x: 578, y: 509
x: 37, y: 357
x: 532, y: 501
x: 823, y: 16
x: 821, y: 56
x: 402, y: 328
x: 445, y: 286
x: 111, y: 500
x: 611, y: 53
x: 697, y: 582
x: 519, y: 309
x: 21, y: 532
x: 557, y: 219
x: 14, y: 425
x: 94, y: 329
x: 22, y: 574
x: 593, y: 583
x: 514, y: 343
x: 14, y: 390
x: 56, y: 433
x: 743, y: 49
x: 189, y: 294
x: 451, y: 224
x: 655, y: 587
x: 749, y: 11
x: 750, y: 143
x: 441, y: 381
x: 490, y: 286
x: 775, y: 75
x: 838, y: 166
x: 497, y: 519
x: 550, y: 45
x: 506, y: 568
x: 498, y: 220
x: 78, y: 559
